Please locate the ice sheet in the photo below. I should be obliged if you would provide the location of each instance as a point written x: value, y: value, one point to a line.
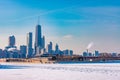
x: 97, y: 71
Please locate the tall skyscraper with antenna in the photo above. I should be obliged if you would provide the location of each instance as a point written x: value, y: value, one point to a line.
x: 38, y: 38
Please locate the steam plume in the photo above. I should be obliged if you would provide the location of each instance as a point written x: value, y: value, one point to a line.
x: 90, y: 45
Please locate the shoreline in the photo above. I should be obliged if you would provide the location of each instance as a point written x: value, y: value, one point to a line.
x: 32, y: 60
x: 47, y: 61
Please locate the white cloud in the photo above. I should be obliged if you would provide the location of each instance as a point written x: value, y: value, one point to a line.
x: 68, y: 36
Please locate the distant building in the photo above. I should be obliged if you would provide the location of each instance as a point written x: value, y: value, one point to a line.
x: 11, y: 50
x: 12, y: 41
x: 96, y: 53
x: 71, y: 52
x: 85, y: 54
x: 105, y: 54
x: 29, y: 45
x: 67, y: 52
x: 1, y: 53
x: 118, y: 55
x: 90, y: 54
x: 49, y: 48
x: 13, y: 53
x: 23, y: 51
x: 57, y: 51
x: 114, y: 54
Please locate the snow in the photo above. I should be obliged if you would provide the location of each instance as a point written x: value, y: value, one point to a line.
x: 85, y: 71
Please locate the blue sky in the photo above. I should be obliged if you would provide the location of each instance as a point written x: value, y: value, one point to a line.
x: 73, y: 24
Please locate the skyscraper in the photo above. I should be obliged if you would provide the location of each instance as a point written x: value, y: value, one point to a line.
x: 96, y: 53
x: 38, y: 39
x: 23, y: 51
x: 49, y: 48
x: 12, y: 41
x: 68, y: 52
x: 43, y: 42
x: 1, y: 51
x: 29, y: 44
x: 56, y: 49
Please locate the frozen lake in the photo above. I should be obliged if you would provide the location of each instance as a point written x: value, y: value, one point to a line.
x: 93, y: 71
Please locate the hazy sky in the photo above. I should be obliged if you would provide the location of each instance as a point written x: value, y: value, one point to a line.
x: 73, y: 24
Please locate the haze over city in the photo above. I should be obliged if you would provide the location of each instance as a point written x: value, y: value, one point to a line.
x: 74, y: 24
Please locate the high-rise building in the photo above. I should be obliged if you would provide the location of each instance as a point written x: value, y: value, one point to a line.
x: 96, y: 53
x: 71, y: 52
x: 38, y: 39
x: 12, y: 41
x: 23, y: 51
x: 1, y: 53
x: 43, y: 42
x: 90, y: 54
x: 29, y: 44
x: 67, y: 52
x: 49, y: 48
x: 85, y: 54
x: 114, y: 54
x: 56, y: 49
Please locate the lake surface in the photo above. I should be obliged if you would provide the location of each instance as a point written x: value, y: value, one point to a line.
x: 76, y: 71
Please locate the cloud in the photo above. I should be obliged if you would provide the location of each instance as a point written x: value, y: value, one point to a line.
x: 68, y: 36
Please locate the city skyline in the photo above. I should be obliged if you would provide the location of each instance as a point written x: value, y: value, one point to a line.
x: 73, y: 25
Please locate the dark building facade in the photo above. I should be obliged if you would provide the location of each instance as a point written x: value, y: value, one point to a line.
x: 38, y: 39
x: 57, y: 49
x: 23, y: 51
x: 43, y: 42
x: 12, y: 40
x: 49, y: 48
x: 29, y: 45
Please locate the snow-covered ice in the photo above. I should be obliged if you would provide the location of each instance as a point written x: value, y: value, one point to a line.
x: 96, y: 71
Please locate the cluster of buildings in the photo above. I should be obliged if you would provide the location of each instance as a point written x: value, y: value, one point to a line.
x: 98, y: 54
x: 40, y: 50
x: 28, y: 51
